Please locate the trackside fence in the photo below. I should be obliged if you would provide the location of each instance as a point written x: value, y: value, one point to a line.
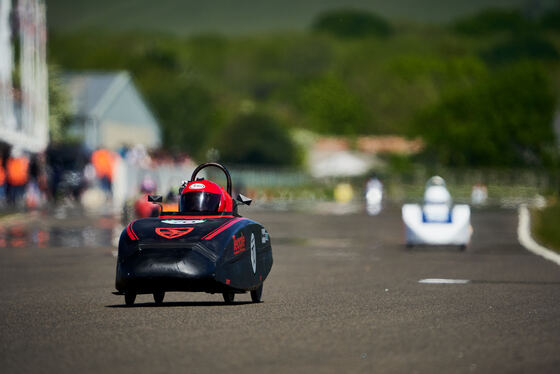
x: 284, y: 185
x: 506, y: 187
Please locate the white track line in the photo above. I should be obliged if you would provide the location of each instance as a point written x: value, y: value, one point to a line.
x: 524, y: 235
x: 443, y: 281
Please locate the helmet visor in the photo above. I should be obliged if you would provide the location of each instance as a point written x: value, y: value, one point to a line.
x: 200, y: 201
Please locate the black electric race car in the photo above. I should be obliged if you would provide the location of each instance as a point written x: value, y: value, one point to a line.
x: 206, y: 246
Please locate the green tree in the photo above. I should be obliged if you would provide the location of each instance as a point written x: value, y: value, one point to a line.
x: 504, y: 120
x: 332, y: 108
x: 188, y: 115
x: 59, y: 106
x: 350, y: 23
x: 256, y: 139
x: 490, y: 21
x: 551, y: 20
x: 519, y: 48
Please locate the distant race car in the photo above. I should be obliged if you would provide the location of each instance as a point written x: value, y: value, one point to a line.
x: 437, y: 221
x: 206, y: 246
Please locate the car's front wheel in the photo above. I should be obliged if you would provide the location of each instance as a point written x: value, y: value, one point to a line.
x: 228, y: 297
x: 129, y: 297
x: 256, y: 295
x: 158, y: 297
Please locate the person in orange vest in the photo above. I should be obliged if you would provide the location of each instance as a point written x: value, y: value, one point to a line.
x: 17, y: 175
x: 2, y: 182
x: 103, y: 162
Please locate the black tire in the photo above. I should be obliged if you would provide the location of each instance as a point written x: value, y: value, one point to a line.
x: 129, y: 298
x: 462, y: 248
x: 256, y: 295
x: 228, y: 297
x: 158, y: 297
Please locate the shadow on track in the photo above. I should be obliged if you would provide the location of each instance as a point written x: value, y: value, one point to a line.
x: 424, y: 248
x: 178, y: 304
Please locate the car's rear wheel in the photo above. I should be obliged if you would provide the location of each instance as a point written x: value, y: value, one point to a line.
x: 129, y: 297
x: 256, y: 295
x: 158, y: 297
x: 228, y: 297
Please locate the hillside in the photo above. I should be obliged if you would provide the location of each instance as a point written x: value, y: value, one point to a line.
x: 480, y: 91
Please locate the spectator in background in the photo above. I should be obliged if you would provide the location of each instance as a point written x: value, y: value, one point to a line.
x: 2, y: 183
x: 36, y: 190
x: 103, y: 162
x: 479, y: 194
x: 374, y: 195
x: 139, y: 156
x: 142, y: 207
x: 17, y: 175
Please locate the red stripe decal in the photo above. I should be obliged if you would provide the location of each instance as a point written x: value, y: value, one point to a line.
x: 221, y: 228
x: 192, y: 217
x: 131, y: 234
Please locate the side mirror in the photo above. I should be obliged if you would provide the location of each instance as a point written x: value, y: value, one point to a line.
x: 243, y: 200
x: 155, y: 199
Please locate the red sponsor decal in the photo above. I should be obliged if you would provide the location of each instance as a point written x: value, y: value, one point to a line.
x: 173, y: 232
x: 228, y: 281
x: 238, y: 244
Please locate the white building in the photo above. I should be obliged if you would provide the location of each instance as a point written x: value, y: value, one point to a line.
x: 24, y: 110
x: 108, y: 111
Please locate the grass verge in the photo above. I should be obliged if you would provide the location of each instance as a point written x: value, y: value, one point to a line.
x: 546, y: 226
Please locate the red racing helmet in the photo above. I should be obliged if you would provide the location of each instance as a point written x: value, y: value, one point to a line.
x: 204, y: 196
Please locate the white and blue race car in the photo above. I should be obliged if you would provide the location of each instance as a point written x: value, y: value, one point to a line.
x: 437, y: 221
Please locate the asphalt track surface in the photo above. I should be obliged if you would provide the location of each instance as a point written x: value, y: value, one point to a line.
x: 343, y: 296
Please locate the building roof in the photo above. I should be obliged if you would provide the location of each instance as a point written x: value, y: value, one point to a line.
x: 109, y: 111
x: 389, y: 144
x: 91, y: 92
x: 344, y: 157
x: 370, y: 144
